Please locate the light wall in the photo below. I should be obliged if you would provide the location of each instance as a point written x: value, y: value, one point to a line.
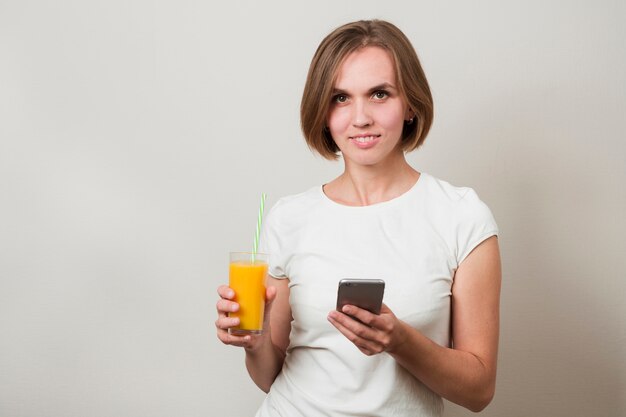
x: 136, y: 137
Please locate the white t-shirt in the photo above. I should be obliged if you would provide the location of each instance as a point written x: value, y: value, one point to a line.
x: 415, y: 243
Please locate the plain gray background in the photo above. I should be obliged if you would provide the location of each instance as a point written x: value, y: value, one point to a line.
x: 136, y: 138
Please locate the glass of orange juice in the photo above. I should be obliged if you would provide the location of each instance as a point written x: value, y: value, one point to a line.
x: 247, y: 274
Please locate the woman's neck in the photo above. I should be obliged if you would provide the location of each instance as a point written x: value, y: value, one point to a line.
x: 365, y: 185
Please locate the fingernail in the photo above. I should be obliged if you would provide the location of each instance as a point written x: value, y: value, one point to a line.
x: 346, y: 309
x: 234, y: 307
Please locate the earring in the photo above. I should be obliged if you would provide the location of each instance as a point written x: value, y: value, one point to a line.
x: 410, y: 121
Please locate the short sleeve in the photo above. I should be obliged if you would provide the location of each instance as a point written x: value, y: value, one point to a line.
x: 270, y: 243
x: 475, y: 223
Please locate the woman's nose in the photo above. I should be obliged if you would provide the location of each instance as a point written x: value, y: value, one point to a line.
x: 361, y: 116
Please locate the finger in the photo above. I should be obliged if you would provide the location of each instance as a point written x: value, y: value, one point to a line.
x: 225, y: 323
x: 270, y: 293
x: 224, y: 291
x: 353, y: 329
x: 224, y: 306
x: 364, y: 316
x: 233, y: 340
x: 365, y: 345
x: 270, y: 296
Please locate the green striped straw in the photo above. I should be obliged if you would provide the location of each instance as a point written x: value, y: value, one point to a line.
x: 258, y: 226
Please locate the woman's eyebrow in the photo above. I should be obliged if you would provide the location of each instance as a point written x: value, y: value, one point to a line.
x: 382, y: 86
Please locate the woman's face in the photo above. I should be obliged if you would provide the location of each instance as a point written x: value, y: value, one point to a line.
x: 367, y: 113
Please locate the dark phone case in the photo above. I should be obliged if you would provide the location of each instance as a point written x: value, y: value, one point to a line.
x: 364, y: 293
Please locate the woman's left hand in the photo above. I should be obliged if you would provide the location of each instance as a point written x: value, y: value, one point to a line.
x: 374, y: 334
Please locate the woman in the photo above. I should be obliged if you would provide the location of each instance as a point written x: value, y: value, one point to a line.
x: 435, y: 245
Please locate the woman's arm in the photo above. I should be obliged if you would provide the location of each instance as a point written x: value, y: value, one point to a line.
x: 464, y: 374
x: 265, y: 353
x: 265, y: 360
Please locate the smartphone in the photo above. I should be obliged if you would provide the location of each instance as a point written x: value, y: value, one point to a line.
x: 364, y: 293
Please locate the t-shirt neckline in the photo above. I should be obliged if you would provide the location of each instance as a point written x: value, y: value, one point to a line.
x: 396, y: 200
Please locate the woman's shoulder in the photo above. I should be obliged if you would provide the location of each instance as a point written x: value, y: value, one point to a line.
x: 453, y: 201
x: 294, y: 208
x: 299, y: 200
x: 443, y: 191
x: 462, y: 216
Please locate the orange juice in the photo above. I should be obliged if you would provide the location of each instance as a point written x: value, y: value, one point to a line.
x: 247, y: 279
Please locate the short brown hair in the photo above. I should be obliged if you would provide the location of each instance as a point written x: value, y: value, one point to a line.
x: 331, y: 53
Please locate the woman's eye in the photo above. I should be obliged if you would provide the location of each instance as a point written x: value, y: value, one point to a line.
x: 380, y: 95
x: 340, y: 98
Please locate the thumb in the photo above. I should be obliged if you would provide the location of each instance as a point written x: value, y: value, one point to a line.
x: 270, y: 296
x: 385, y: 309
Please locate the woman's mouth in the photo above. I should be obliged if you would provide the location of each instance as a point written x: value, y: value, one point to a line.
x: 364, y: 141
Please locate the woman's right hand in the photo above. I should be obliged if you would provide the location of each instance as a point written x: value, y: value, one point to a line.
x: 226, y: 305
